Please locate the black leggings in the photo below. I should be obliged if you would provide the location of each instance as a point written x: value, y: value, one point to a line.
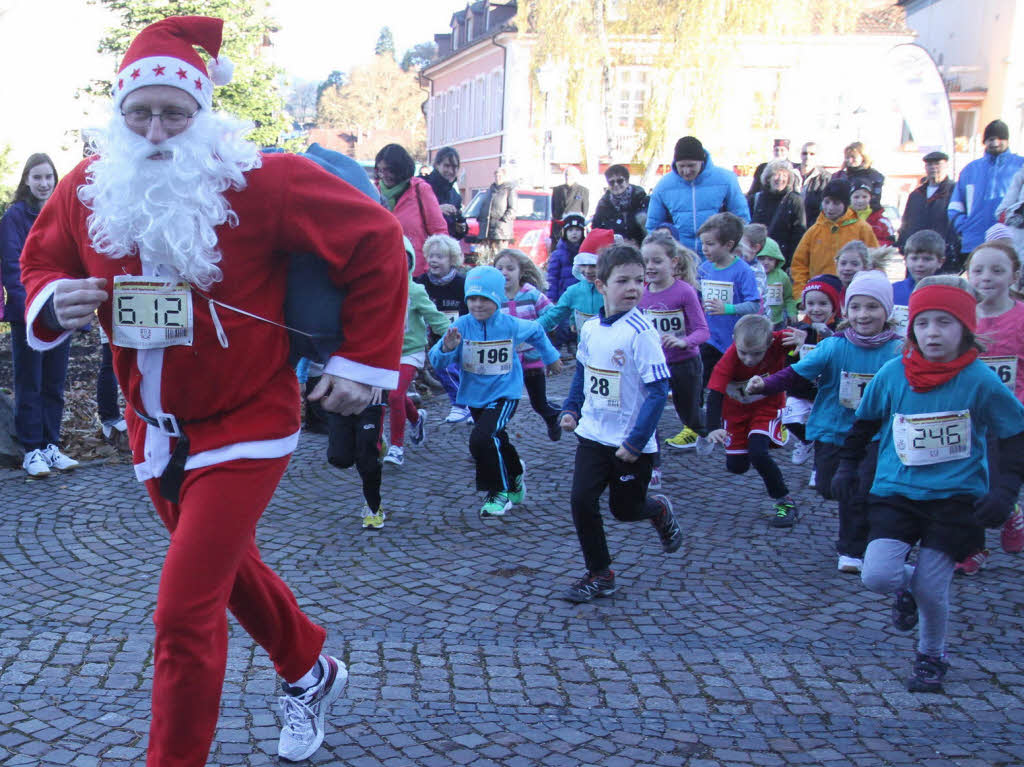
x: 685, y: 381
x: 535, y: 381
x: 497, y: 462
x: 355, y: 439
x: 757, y: 455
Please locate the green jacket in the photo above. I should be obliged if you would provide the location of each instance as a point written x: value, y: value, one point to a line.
x: 420, y: 313
x: 786, y: 308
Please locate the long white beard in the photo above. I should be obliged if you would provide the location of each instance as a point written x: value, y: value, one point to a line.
x: 166, y: 209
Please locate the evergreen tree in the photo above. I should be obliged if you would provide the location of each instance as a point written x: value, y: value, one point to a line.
x: 252, y: 93
x: 385, y: 43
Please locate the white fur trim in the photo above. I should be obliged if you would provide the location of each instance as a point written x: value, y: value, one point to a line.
x: 33, y: 312
x: 356, y: 371
x: 221, y: 70
x: 263, y: 448
x: 164, y: 70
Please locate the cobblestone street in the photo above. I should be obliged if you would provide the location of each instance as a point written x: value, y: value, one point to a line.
x: 746, y: 647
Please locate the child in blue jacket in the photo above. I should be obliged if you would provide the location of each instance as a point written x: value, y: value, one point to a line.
x: 484, y: 343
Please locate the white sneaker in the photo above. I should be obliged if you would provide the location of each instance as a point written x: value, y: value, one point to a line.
x: 849, y: 564
x: 458, y: 414
x: 802, y: 452
x: 35, y: 464
x: 396, y: 455
x: 303, y: 713
x: 812, y: 480
x: 705, y: 446
x: 418, y: 430
x: 57, y: 459
x: 655, y: 482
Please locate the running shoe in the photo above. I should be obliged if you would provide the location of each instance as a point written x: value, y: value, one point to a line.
x: 303, y: 711
x: 972, y: 564
x: 665, y: 523
x: 373, y: 519
x: 849, y: 564
x: 801, y: 452
x: 418, y: 430
x: 812, y: 481
x: 591, y: 585
x: 395, y: 455
x: 35, y: 464
x: 685, y: 439
x: 458, y: 414
x: 518, y: 492
x: 57, y: 460
x: 1011, y: 537
x: 784, y: 513
x: 929, y: 673
x: 496, y: 505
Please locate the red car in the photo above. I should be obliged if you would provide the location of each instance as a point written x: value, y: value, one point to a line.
x: 532, y: 227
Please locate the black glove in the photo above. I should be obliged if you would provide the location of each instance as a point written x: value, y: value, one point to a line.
x: 993, y: 509
x: 845, y: 485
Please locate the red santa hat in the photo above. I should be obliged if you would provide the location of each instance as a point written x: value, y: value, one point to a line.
x: 164, y: 54
x: 597, y: 240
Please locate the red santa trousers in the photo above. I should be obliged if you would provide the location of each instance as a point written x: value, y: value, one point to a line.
x: 212, y: 565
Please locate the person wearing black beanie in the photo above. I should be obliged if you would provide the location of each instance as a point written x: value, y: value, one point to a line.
x: 838, y: 189
x: 996, y: 129
x: 689, y: 148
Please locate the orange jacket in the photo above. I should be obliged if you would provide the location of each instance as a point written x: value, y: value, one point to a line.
x: 817, y: 250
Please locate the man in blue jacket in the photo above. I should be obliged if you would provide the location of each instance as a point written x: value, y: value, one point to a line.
x: 980, y: 189
x: 694, y: 191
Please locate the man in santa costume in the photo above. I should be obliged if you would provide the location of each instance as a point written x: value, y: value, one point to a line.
x: 178, y: 233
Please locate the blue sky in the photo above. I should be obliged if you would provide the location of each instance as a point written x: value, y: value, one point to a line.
x: 318, y: 36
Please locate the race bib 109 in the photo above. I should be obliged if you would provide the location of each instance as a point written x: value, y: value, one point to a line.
x: 1005, y: 368
x: 487, y: 358
x: 901, y: 314
x: 666, y: 320
x: 719, y: 289
x: 602, y: 388
x: 151, y: 314
x: 929, y: 438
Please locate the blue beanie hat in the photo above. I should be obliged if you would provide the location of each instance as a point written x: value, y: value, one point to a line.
x: 488, y: 282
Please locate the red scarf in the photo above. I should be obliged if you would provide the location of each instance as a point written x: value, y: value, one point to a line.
x: 923, y: 375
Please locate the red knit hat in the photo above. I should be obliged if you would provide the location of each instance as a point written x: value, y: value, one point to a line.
x: 945, y: 298
x: 164, y: 54
x: 828, y: 284
x: 597, y: 240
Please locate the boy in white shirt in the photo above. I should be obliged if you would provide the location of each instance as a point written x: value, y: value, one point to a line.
x: 616, y: 398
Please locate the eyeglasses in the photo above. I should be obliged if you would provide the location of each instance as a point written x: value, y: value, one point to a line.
x: 808, y: 154
x: 616, y: 181
x: 173, y: 120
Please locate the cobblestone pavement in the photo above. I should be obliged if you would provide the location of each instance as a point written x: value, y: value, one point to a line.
x: 744, y: 648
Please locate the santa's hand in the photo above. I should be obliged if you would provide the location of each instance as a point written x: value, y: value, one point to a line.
x: 341, y: 395
x: 75, y: 301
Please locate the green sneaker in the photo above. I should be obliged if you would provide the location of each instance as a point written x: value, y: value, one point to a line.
x: 687, y: 438
x: 518, y: 493
x: 496, y: 505
x: 373, y: 519
x: 784, y: 513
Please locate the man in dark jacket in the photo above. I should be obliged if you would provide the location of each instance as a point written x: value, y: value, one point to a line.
x: 926, y: 205
x: 497, y: 217
x: 570, y: 197
x: 813, y: 180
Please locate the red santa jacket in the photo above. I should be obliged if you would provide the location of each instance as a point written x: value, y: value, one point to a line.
x: 240, y: 401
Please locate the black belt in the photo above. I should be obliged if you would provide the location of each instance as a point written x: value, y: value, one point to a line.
x: 173, y: 474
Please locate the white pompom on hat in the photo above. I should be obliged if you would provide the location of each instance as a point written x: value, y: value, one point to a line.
x: 164, y: 53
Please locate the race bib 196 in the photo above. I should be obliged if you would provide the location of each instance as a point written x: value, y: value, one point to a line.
x: 1005, y: 368
x: 151, y: 314
x: 487, y: 358
x: 721, y: 290
x: 928, y: 438
x: 851, y: 388
x: 667, y: 320
x: 901, y: 314
x: 602, y: 388
x: 773, y: 294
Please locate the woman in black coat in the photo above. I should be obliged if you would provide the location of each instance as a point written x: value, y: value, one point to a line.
x: 623, y: 208
x: 442, y: 181
x: 780, y: 207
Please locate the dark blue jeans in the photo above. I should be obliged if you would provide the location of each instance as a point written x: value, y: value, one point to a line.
x: 106, y: 388
x: 38, y: 390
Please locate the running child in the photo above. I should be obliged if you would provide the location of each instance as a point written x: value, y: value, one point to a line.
x: 419, y: 313
x: 821, y: 315
x: 727, y: 285
x: 842, y: 366
x: 445, y: 284
x: 836, y: 225
x: 933, y: 408
x: 673, y: 307
x: 484, y: 343
x: 992, y: 269
x: 524, y: 299
x: 617, y: 395
x: 750, y: 425
x: 779, y: 304
x: 357, y: 440
x: 925, y: 254
x: 582, y: 301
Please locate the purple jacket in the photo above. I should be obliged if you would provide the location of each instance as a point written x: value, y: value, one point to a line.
x: 560, y: 268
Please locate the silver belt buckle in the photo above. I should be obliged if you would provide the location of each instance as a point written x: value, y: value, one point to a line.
x: 167, y: 424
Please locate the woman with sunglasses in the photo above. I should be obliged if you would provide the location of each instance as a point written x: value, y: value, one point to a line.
x: 623, y: 208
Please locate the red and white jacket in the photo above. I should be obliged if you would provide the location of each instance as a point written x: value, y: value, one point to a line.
x: 239, y: 401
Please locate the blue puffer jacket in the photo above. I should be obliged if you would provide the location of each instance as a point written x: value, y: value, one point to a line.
x: 560, y: 274
x: 688, y: 204
x: 977, y: 194
x: 14, y: 228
